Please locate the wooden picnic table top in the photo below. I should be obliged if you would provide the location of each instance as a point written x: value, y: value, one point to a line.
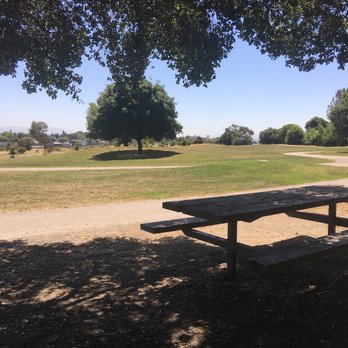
x: 250, y: 206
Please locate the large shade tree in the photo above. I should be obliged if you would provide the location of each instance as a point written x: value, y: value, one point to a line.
x: 51, y: 37
x: 125, y: 112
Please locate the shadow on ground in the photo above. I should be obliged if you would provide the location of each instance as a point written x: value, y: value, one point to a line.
x: 170, y: 293
x: 133, y: 154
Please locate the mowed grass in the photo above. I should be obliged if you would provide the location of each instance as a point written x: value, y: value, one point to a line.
x: 213, y: 170
x: 155, y: 156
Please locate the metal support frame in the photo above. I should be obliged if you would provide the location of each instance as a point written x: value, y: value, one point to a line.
x: 332, y: 218
x: 230, y: 244
x: 231, y: 249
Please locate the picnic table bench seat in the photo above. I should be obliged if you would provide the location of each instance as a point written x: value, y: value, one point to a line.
x: 252, y: 206
x: 188, y: 225
x: 175, y: 224
x: 290, y: 253
x: 269, y: 256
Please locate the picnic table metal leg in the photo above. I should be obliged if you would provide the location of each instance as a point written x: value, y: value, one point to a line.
x: 231, y: 249
x: 332, y: 218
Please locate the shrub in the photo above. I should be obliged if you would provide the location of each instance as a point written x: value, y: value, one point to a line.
x: 12, y: 151
x: 21, y: 150
x: 294, y: 134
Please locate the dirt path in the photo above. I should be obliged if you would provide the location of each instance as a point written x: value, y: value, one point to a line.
x: 82, y: 224
x: 338, y: 161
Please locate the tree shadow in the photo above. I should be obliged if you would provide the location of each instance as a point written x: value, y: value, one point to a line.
x: 170, y: 293
x: 133, y: 155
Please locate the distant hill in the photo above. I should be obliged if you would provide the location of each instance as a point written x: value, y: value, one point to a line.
x: 26, y: 130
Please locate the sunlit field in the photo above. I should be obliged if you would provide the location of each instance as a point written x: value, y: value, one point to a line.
x: 207, y: 170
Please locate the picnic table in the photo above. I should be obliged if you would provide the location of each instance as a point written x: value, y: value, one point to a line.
x: 252, y: 206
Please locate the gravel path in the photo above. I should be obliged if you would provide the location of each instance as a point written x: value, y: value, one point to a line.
x: 338, y: 161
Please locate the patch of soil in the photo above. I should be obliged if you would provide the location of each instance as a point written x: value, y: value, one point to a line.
x: 88, y: 277
x: 124, y: 292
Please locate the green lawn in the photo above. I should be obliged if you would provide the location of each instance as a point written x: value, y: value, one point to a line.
x: 113, y: 156
x: 214, y: 170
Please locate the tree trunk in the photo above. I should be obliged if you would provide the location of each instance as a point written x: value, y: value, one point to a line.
x: 140, y: 146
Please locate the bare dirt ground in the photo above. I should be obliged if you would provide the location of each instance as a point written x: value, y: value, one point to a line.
x: 89, y: 277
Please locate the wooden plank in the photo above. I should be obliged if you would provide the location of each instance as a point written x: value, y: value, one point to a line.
x: 206, y: 237
x: 251, y: 206
x: 229, y: 210
x: 278, y: 256
x: 253, y: 198
x: 175, y: 225
x: 240, y: 248
x: 239, y: 198
x: 339, y: 221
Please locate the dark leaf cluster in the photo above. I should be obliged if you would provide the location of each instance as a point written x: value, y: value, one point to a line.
x: 126, y: 111
x: 51, y: 37
x: 236, y: 135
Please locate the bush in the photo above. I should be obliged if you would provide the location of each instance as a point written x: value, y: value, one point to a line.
x: 26, y: 142
x: 21, y: 150
x: 329, y: 137
x: 269, y: 136
x: 313, y: 137
x: 294, y: 135
x: 236, y: 135
x: 198, y: 140
x: 12, y: 151
x: 184, y: 142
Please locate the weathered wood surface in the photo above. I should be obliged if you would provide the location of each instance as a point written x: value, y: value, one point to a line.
x: 338, y: 221
x: 206, y: 237
x: 248, y: 207
x: 307, y: 247
x: 175, y: 225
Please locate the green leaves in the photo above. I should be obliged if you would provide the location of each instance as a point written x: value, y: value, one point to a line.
x: 338, y: 115
x: 236, y: 135
x: 191, y: 36
x: 128, y: 111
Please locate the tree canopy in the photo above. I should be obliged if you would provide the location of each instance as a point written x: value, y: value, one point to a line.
x: 269, y: 136
x: 338, y: 115
x: 236, y: 135
x: 294, y: 135
x: 126, y: 113
x: 51, y: 37
x: 316, y: 122
x: 38, y: 131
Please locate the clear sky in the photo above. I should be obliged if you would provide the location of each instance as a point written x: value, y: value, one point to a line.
x: 250, y: 89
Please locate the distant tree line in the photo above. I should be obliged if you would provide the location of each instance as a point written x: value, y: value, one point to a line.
x: 318, y: 131
x: 20, y: 142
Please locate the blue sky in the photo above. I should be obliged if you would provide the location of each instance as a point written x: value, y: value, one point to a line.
x: 250, y: 89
